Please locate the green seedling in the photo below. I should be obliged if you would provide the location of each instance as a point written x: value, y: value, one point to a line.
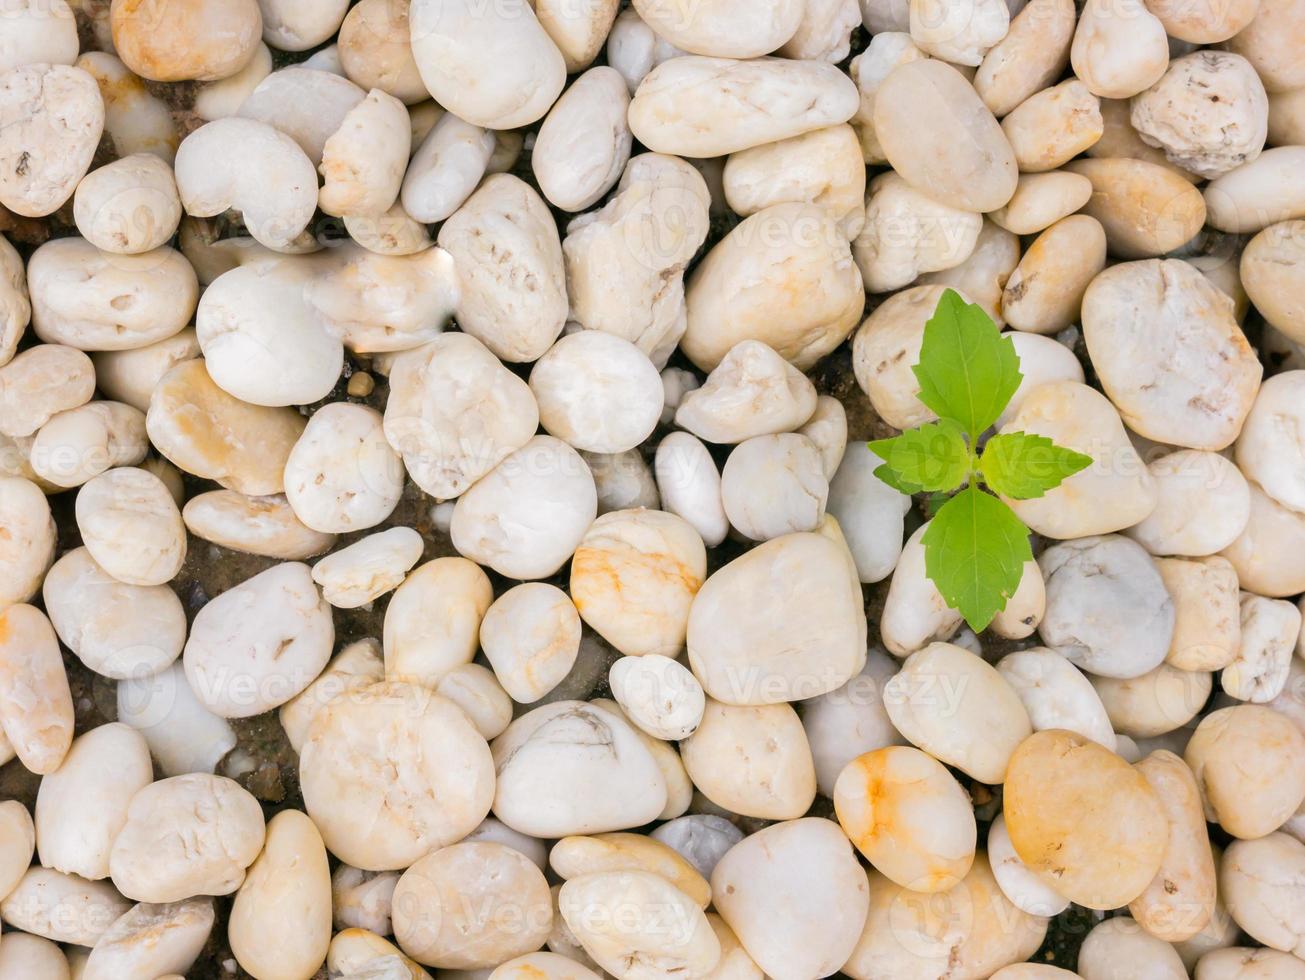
x: 975, y: 547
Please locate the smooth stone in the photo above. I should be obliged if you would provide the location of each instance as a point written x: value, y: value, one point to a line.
x: 1260, y: 883
x: 1119, y: 49
x: 1032, y: 55
x: 1203, y: 504
x: 131, y: 526
x: 1269, y: 632
x: 28, y: 548
x: 1117, y: 946
x: 36, y: 708
x: 907, y: 233
x: 1056, y: 694
x: 1027, y: 891
x: 689, y: 485
x: 1045, y: 292
x: 61, y: 907
x: 130, y: 376
x: 1267, y: 554
x: 584, y: 142
x: 202, y: 40
x: 1271, y: 272
x: 869, y: 511
x: 752, y: 392
x: 152, y: 940
x: 531, y: 637
x: 773, y: 485
x: 1041, y: 200
x: 41, y: 382
x: 368, y: 568
x: 1271, y: 42
x: 264, y: 525
x: 183, y: 735
x: 51, y: 118
x: 356, y: 666
x: 1207, y: 624
x: 915, y: 613
x: 1145, y: 209
x: 1162, y: 700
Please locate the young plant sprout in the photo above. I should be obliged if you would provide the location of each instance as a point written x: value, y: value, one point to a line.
x: 975, y: 547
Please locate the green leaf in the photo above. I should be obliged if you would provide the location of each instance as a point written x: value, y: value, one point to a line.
x: 932, y: 457
x: 1021, y: 465
x: 968, y: 371
x: 885, y: 473
x: 974, y: 552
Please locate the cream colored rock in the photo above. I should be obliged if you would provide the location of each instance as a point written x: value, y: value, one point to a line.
x: 1193, y: 382
x: 1161, y: 700
x: 1269, y: 631
x: 183, y: 735
x: 915, y: 613
x: 362, y: 899
x: 1260, y: 882
x: 973, y: 172
x: 1245, y: 759
x: 19, y: 836
x: 492, y: 901
x: 526, y: 517
x: 509, y: 260
x: 711, y: 106
x: 375, y: 50
x: 1203, y: 504
x: 150, y: 939
x: 393, y: 232
x: 391, y: 772
x: 1053, y: 126
x: 1117, y: 947
x: 1056, y: 695
x: 1042, y: 200
x: 341, y: 474
x: 130, y: 376
x: 446, y: 168
x: 850, y: 721
x: 827, y: 430
x: 128, y: 206
x: 1270, y: 43
x: 634, y: 49
x: 368, y: 568
x: 1087, y: 576
x: 290, y: 27
x: 625, y: 263
x: 259, y: 644
x: 81, y: 443
x: 95, y: 300
x: 887, y: 50
x: 982, y: 277
x: 62, y: 907
x: 184, y: 836
x: 264, y: 526
x: 1121, y: 141
x: 82, y: 805
x: 363, y: 161
x: 584, y: 142
x: 1266, y: 447
x: 570, y: 767
x: 1145, y: 209
x: 1266, y: 555
x: 881, y: 799
x: 1116, y: 492
x: 271, y: 182
x: 971, y: 930
x: 747, y: 288
x: 751, y: 392
x: 1205, y: 26
x: 575, y: 856
x: 1043, y: 360
x: 531, y: 636
x: 1079, y: 813
x: 193, y: 40
x: 356, y: 666
x: 1207, y: 628
x: 1045, y: 292
x: 1031, y: 56
x: 451, y: 436
x: 15, y: 306
x: 36, y: 710
x: 131, y: 526
x: 433, y: 619
x: 907, y: 233
x: 1246, y: 961
x: 689, y: 485
x: 634, y: 577
x: 306, y: 103
x: 723, y: 28
x: 959, y: 34
x: 597, y: 392
x: 1209, y: 113
x: 31, y: 956
x: 702, y: 839
x: 135, y: 120
x: 1027, y: 891
x: 679, y: 788
x: 624, y: 480
x: 578, y: 29
x: 781, y: 623
x: 1270, y: 270
x: 454, y: 42
x: 823, y: 166
x: 42, y: 381
x: 222, y: 98
x: 366, y: 955
x: 477, y: 692
x: 886, y: 347
x: 280, y: 924
x: 956, y: 707
x: 773, y: 485
x: 1119, y: 50
x: 791, y: 880
x: 825, y: 31
x: 51, y: 117
x: 1180, y: 900
x: 38, y: 33
x: 1258, y: 194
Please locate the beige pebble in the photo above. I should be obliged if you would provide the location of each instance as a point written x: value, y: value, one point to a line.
x: 1203, y: 504
x: 130, y: 524
x: 1053, y: 126
x: 19, y: 837
x: 307, y: 104
x: 1045, y: 292
x: 186, y: 835
x: 372, y: 818
x: 1119, y: 49
x: 264, y: 525
x: 1269, y: 632
x: 1258, y: 194
x: 578, y: 30
x: 212, y: 435
x: 754, y: 761
x: 1287, y: 117
x: 183, y: 735
x: 915, y: 613
x: 982, y: 277
x: 26, y: 956
x: 1261, y: 884
x: 1247, y: 760
x: 1267, y: 554
x: 130, y: 376
x: 584, y: 142
x: 477, y: 692
x: 1079, y: 813
x: 887, y: 346
x: 1121, y: 141
x: 710, y: 106
x: 41, y: 382
x: 356, y: 666
x: 1041, y: 200
x: 1026, y: 890
x: 51, y: 118
x: 1146, y: 209
x: 1270, y: 268
x: 36, y: 709
x: 795, y: 897
x: 1271, y: 42
x: 368, y: 568
x: 758, y: 283
x: 360, y: 953
x: 575, y: 856
x: 363, y: 161
x: 531, y: 636
x: 1161, y: 700
x: 128, y: 206
x: 342, y: 475
x: 135, y: 120
x: 152, y: 938
x: 1032, y: 55
x: 974, y: 173
x: 280, y: 924
x: 61, y: 907
x: 725, y: 28
x: 751, y: 392
x: 1207, y: 624
x: 433, y: 619
x: 362, y: 899
x: 1204, y: 26
x: 1118, y: 947
x: 960, y: 34
x: 198, y: 39
x: 1246, y: 961
x: 1056, y: 694
x: 887, y: 50
x: 375, y: 50
x: 81, y: 443
x: 1180, y: 900
x: 82, y: 805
